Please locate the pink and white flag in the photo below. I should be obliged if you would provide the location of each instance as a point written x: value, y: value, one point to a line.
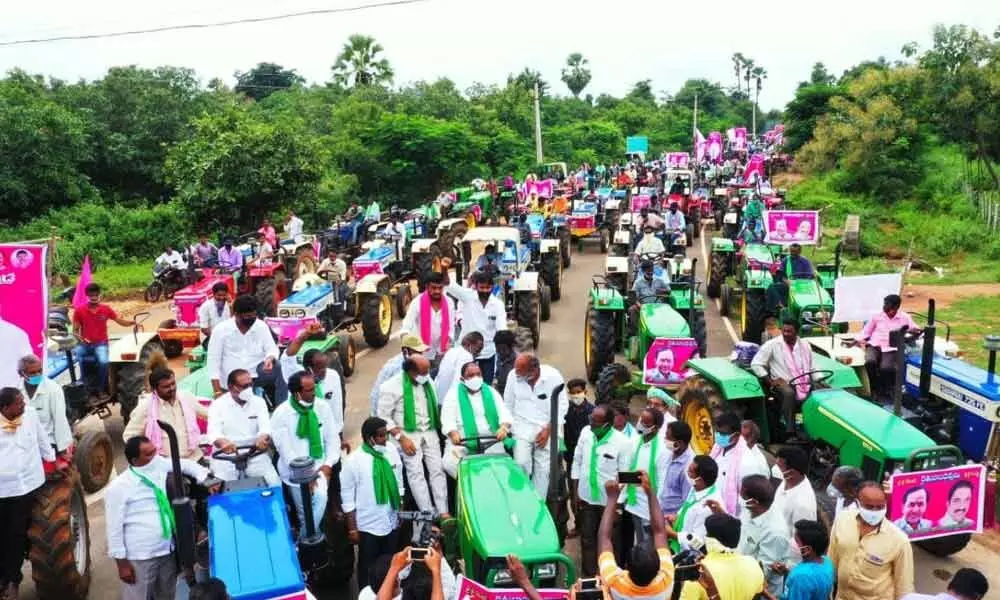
x: 740, y: 139
x: 754, y: 170
x: 86, y: 277
x: 714, y: 147
x: 700, y: 146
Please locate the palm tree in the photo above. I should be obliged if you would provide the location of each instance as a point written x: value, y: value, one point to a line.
x: 759, y: 75
x: 738, y: 60
x: 358, y: 64
x: 576, y: 75
x: 748, y: 67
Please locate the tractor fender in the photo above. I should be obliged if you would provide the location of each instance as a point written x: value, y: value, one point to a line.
x: 131, y: 345
x: 369, y: 284
x: 723, y: 245
x: 606, y: 299
x: 422, y: 245
x: 526, y: 282
x: 549, y: 246
x: 616, y: 264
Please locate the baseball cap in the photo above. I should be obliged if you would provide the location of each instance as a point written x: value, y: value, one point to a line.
x: 414, y: 343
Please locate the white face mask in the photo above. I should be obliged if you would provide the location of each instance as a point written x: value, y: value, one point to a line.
x: 746, y: 503
x: 246, y: 394
x: 577, y: 399
x: 872, y: 517
x: 642, y: 429
x: 833, y: 492
x: 474, y: 383
x: 691, y: 480
x: 422, y: 379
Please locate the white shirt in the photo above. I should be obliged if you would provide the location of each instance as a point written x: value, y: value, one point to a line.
x: 663, y: 456
x: 450, y: 370
x: 451, y: 412
x: 357, y: 492
x: 230, y: 349
x: 49, y: 404
x: 390, y: 369
x: 530, y: 405
x: 796, y: 503
x: 613, y: 456
x: 650, y: 246
x: 767, y: 539
x: 332, y: 387
x: 132, y: 516
x: 411, y: 324
x: 390, y: 404
x: 265, y: 252
x: 842, y: 504
x: 397, y: 230
x: 755, y: 462
x: 209, y: 317
x: 238, y: 423
x: 175, y: 259
x: 284, y: 422
x: 694, y: 519
x: 748, y: 466
x: 293, y: 227
x: 336, y: 266
x: 916, y: 596
x: 771, y: 359
x: 21, y: 469
x: 487, y: 320
x: 14, y: 345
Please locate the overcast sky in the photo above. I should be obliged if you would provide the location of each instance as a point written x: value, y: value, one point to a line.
x: 475, y: 40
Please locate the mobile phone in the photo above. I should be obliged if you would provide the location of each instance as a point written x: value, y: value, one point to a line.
x: 418, y: 554
x: 590, y: 589
x: 591, y: 583
x: 629, y: 477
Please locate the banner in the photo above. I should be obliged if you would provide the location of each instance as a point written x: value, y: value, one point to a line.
x: 678, y: 160
x: 542, y: 188
x: 24, y: 300
x: 637, y: 144
x: 791, y: 226
x: 715, y: 147
x: 470, y: 590
x: 665, y: 360
x: 754, y: 169
x: 859, y: 298
x: 930, y: 504
x: 86, y: 277
x: 700, y: 145
x: 740, y: 138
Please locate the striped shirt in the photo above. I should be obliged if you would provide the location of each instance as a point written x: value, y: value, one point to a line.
x: 620, y: 587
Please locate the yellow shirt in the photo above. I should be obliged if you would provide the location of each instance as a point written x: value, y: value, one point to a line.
x: 618, y: 585
x: 878, y: 566
x: 737, y: 577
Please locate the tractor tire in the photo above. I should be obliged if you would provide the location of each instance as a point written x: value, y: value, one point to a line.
x: 696, y: 225
x: 423, y: 264
x: 130, y: 380
x: 529, y: 315
x: 945, y: 546
x: 59, y: 537
x: 753, y: 315
x: 609, y: 379
x: 700, y: 400
x: 826, y: 508
x: 725, y: 299
x: 689, y: 235
x: 565, y: 250
x: 346, y: 354
x: 700, y: 333
x: 544, y: 302
x: 599, y: 342
x: 524, y: 341
x: 265, y: 296
x: 377, y: 327
x: 404, y: 295
x: 605, y: 241
x: 94, y: 458
x: 153, y: 292
x: 716, y: 274
x: 551, y: 274
x: 172, y: 348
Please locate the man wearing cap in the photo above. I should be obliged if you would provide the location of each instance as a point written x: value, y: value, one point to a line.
x: 647, y: 289
x: 411, y: 345
x: 660, y: 401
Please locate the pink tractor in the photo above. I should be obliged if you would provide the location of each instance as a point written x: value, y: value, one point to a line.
x: 183, y: 332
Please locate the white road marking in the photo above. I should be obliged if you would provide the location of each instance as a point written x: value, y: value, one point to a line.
x: 718, y: 305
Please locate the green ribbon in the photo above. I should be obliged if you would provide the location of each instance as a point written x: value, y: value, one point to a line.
x: 654, y: 446
x: 384, y: 480
x: 409, y: 410
x: 691, y: 500
x: 599, y: 440
x: 162, y: 503
x: 308, y: 427
x: 469, y: 417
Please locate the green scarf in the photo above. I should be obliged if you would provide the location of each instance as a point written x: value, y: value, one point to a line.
x: 469, y: 417
x: 162, y: 503
x: 384, y: 480
x: 410, y: 413
x: 308, y: 427
x: 595, y: 491
x: 654, y: 446
x: 691, y: 500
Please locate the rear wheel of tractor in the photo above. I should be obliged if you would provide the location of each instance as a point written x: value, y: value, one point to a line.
x: 724, y: 300
x: 528, y: 315
x: 94, y: 457
x: 700, y: 400
x: 265, y: 296
x: 423, y: 264
x: 524, y: 341
x: 696, y: 224
x: 689, y: 234
x: 544, y: 302
x: 700, y: 333
x: 172, y: 348
x: 945, y: 546
x: 609, y: 379
x: 753, y: 310
x: 605, y: 240
x: 130, y: 380
x: 716, y: 275
x: 565, y: 251
x: 153, y: 291
x: 345, y: 354
x: 551, y: 273
x: 376, y: 319
x: 598, y: 341
x: 59, y: 540
x: 404, y: 295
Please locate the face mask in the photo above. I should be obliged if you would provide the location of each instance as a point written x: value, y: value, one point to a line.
x: 642, y: 429
x: 833, y: 492
x: 600, y: 430
x: 483, y: 297
x: 422, y: 379
x: 33, y: 380
x: 304, y: 402
x: 691, y: 480
x: 674, y: 446
x: 521, y: 378
x: 746, y: 503
x: 248, y: 321
x: 474, y: 383
x: 723, y: 439
x: 872, y: 517
x: 649, y: 236
x: 246, y: 395
x: 577, y: 399
x: 776, y: 472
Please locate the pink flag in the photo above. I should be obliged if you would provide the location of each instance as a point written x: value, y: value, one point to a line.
x: 715, y: 146
x: 731, y: 135
x: 86, y: 277
x: 754, y: 170
x: 700, y: 145
x: 740, y: 138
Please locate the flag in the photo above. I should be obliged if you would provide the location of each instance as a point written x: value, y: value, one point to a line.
x: 714, y: 147
x: 80, y: 294
x: 754, y: 170
x: 740, y: 138
x: 700, y: 145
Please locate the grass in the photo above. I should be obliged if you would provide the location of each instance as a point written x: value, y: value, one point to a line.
x: 971, y: 319
x: 124, y: 281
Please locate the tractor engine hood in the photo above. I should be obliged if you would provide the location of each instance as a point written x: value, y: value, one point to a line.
x: 661, y: 320
x: 806, y: 293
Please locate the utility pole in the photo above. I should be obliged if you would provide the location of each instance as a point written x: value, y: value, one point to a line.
x: 694, y: 125
x: 538, y: 127
x: 754, y: 132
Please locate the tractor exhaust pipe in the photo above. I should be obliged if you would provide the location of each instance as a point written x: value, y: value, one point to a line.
x: 927, y: 355
x: 896, y: 340
x: 181, y: 504
x: 555, y: 478
x: 694, y: 271
x: 992, y: 344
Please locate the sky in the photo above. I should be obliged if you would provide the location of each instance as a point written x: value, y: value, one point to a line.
x: 476, y: 40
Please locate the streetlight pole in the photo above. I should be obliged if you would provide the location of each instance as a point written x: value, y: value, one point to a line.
x: 538, y: 127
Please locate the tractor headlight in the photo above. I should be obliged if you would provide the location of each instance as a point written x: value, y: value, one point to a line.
x: 502, y: 578
x: 284, y: 313
x: 545, y: 571
x: 822, y: 316
x: 807, y: 314
x: 300, y: 313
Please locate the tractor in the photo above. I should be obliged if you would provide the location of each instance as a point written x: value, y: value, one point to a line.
x: 546, y: 245
x: 428, y: 252
x: 183, y: 331
x: 587, y: 222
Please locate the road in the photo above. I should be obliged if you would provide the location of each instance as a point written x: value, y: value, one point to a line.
x: 561, y: 346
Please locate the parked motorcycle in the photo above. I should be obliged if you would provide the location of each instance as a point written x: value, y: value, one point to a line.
x: 167, y: 279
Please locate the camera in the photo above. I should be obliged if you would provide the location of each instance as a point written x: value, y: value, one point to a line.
x: 422, y: 524
x: 590, y: 589
x: 686, y: 565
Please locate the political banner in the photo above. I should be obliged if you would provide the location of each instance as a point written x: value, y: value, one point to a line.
x: 637, y: 144
x: 938, y: 503
x: 665, y: 360
x: 700, y: 145
x: 24, y: 299
x: 714, y: 148
x: 678, y: 160
x: 470, y: 590
x: 791, y: 226
x: 740, y: 138
x: 860, y: 297
x: 543, y: 188
x: 754, y: 169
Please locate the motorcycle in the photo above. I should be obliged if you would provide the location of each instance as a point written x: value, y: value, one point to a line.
x: 167, y: 279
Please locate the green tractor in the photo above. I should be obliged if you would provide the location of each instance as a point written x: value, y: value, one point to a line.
x: 610, y: 327
x: 471, y: 204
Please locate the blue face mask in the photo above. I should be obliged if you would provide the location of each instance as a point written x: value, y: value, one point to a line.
x: 34, y: 380
x: 723, y: 439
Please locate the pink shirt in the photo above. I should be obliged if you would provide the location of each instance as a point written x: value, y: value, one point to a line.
x: 877, y: 328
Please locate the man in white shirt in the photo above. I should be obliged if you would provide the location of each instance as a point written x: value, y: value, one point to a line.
x: 734, y: 459
x: 472, y: 409
x: 409, y: 406
x: 601, y: 453
x: 528, y: 399
x: 293, y: 226
x: 431, y: 317
x: 967, y: 584
x: 303, y: 427
x: 14, y: 343
x: 236, y: 418
x: 751, y: 435
x: 764, y: 534
x: 782, y: 360
x: 245, y: 342
x: 166, y: 403
x: 371, y: 491
x: 687, y: 526
x: 649, y: 243
x: 453, y: 360
x: 23, y: 446
x: 333, y: 264
x: 329, y: 384
x: 46, y: 399
x: 843, y: 488
x: 794, y: 497
x: 265, y: 251
x: 410, y: 346
x: 480, y: 311
x: 140, y: 527
x: 214, y: 310
x: 173, y: 258
x: 648, y: 453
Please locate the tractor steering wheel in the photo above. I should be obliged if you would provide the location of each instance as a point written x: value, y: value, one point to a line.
x: 825, y: 375
x: 483, y: 442
x: 244, y: 452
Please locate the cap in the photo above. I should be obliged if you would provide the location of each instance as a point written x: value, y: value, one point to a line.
x: 414, y: 343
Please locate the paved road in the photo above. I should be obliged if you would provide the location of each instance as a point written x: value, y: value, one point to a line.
x: 561, y: 346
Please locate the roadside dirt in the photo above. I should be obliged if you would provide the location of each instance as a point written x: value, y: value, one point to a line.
x: 915, y: 296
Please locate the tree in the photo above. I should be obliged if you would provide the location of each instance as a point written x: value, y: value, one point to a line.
x: 358, y: 63
x: 642, y: 92
x: 738, y: 61
x: 527, y: 79
x: 748, y: 67
x: 759, y: 75
x: 802, y: 114
x: 265, y: 79
x: 576, y: 75
x: 820, y: 76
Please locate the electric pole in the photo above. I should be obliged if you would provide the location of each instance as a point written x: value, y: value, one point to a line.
x: 538, y: 127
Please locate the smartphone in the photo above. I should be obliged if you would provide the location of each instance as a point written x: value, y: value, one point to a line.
x: 629, y: 477
x: 418, y: 554
x: 590, y: 589
x: 592, y: 583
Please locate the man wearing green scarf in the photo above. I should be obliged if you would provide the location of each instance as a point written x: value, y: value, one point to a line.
x: 601, y: 453
x: 303, y: 427
x: 472, y: 409
x: 409, y: 406
x: 649, y: 454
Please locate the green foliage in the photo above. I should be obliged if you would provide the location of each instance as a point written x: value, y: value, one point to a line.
x: 576, y: 75
x: 265, y: 79
x: 358, y: 63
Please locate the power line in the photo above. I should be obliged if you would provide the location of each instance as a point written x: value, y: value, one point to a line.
x: 293, y: 15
